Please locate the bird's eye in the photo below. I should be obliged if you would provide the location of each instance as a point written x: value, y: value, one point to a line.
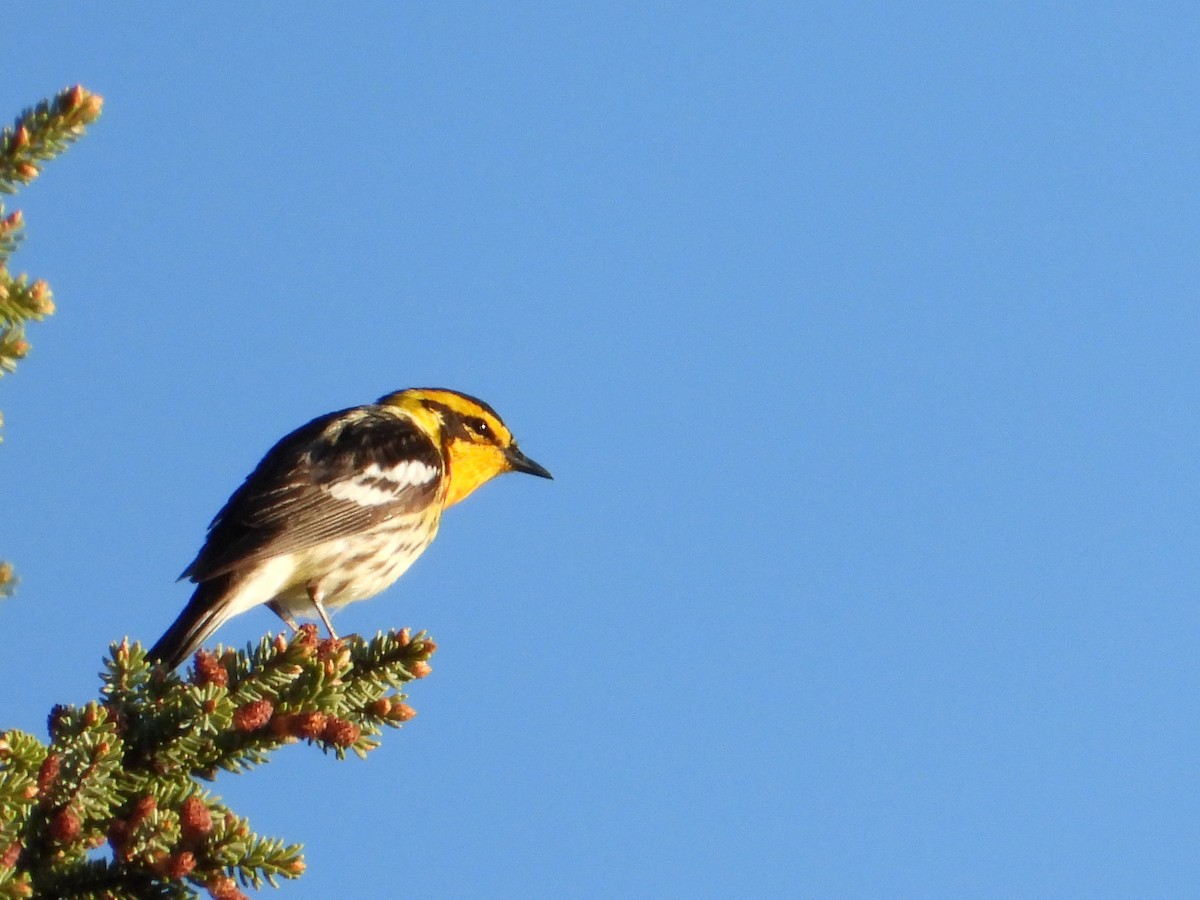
x: 479, y: 426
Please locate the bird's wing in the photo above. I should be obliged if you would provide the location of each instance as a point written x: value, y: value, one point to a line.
x: 339, y: 475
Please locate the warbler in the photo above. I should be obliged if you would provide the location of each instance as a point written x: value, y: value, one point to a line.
x: 340, y: 508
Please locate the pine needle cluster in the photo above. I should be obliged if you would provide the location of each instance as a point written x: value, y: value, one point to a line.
x: 113, y: 807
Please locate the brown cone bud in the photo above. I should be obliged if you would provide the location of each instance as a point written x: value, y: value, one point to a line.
x: 328, y: 648
x: 65, y: 826
x: 48, y: 772
x: 253, y: 716
x: 380, y: 707
x: 195, y: 820
x: 208, y: 669
x: 39, y: 295
x: 341, y: 733
x: 309, y: 725
x: 91, y: 108
x: 222, y: 887
x: 179, y: 865
x: 419, y: 669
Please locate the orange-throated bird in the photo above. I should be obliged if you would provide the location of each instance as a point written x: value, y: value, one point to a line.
x: 340, y: 508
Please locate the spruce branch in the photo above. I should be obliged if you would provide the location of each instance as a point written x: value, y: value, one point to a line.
x: 38, y: 135
x: 113, y: 805
x: 43, y: 132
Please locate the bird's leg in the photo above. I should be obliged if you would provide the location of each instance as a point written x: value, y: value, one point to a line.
x: 280, y: 610
x: 314, y: 594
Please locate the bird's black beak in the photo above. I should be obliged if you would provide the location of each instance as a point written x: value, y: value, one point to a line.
x: 519, y: 462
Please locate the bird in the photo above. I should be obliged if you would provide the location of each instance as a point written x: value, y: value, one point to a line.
x: 340, y: 508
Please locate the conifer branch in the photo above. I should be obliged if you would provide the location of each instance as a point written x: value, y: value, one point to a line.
x: 38, y: 134
x: 120, y: 775
x: 43, y: 132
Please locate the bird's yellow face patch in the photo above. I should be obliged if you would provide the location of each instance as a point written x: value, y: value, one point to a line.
x: 477, y: 443
x: 472, y: 465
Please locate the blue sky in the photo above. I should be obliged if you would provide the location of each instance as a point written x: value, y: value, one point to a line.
x: 860, y: 338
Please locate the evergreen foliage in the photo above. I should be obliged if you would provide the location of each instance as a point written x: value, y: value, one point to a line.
x: 113, y: 806
x: 38, y: 134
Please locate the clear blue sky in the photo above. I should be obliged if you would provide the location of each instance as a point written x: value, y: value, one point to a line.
x: 861, y: 339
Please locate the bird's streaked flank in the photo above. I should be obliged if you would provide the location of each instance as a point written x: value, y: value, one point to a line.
x: 340, y: 508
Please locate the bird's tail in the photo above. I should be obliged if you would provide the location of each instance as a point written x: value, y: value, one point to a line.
x: 205, y: 613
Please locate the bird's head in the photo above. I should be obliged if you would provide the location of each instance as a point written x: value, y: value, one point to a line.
x: 477, y: 444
